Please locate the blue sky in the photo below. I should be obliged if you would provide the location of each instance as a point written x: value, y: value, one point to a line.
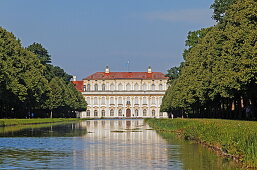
x: 83, y: 36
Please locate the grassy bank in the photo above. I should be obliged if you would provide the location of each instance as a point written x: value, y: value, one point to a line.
x: 233, y: 138
x: 11, y: 122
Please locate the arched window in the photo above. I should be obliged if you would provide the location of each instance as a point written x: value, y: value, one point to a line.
x: 103, y: 113
x: 112, y: 87
x: 136, y: 100
x: 103, y: 87
x: 120, y: 100
x: 153, y: 113
x: 120, y: 112
x: 128, y: 87
x: 95, y: 101
x: 85, y: 87
x: 144, y: 100
x: 136, y: 112
x: 136, y: 87
x: 111, y: 100
x: 153, y: 87
x: 111, y: 112
x: 95, y: 113
x: 88, y: 112
x: 88, y: 87
x: 144, y: 112
x: 103, y: 101
x: 96, y: 87
x: 120, y: 87
x: 144, y: 87
x: 160, y: 87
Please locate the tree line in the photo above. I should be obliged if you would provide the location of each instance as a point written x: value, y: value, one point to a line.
x: 218, y: 78
x: 30, y: 86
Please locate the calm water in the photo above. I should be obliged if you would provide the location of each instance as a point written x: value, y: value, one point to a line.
x: 101, y: 144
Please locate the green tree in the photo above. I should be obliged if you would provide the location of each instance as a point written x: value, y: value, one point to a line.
x: 41, y: 52
x: 220, y: 7
x: 22, y: 82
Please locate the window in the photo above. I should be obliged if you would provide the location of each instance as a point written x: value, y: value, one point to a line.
x: 85, y: 87
x: 160, y: 100
x: 103, y: 113
x: 103, y: 101
x: 128, y: 100
x: 95, y: 113
x: 120, y: 100
x: 160, y: 87
x: 144, y: 112
x: 136, y: 100
x: 88, y: 87
x: 120, y: 87
x: 88, y: 100
x: 153, y: 113
x: 153, y: 87
x: 112, y: 87
x: 161, y: 114
x: 153, y: 100
x: 103, y: 87
x: 128, y: 87
x: 136, y: 112
x: 120, y: 112
x: 95, y: 101
x: 144, y: 100
x: 144, y: 87
x: 88, y: 112
x: 136, y: 87
x: 96, y: 87
x: 111, y: 112
x: 111, y: 100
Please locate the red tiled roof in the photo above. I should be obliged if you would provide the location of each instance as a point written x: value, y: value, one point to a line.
x: 78, y: 85
x: 126, y: 75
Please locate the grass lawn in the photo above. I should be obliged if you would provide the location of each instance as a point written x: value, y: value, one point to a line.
x: 232, y: 137
x: 10, y: 122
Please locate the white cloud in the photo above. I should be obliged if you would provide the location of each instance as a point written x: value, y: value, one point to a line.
x: 188, y: 16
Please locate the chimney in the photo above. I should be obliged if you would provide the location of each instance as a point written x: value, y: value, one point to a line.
x: 107, y: 69
x: 74, y: 78
x: 149, y: 70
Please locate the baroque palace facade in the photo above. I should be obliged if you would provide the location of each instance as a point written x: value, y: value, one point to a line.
x: 123, y: 94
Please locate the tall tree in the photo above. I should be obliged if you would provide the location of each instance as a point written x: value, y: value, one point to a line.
x: 219, y: 8
x: 41, y: 52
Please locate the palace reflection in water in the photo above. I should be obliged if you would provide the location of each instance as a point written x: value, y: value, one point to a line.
x: 125, y: 143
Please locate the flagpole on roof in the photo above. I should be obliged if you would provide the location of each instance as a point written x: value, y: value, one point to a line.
x: 128, y: 65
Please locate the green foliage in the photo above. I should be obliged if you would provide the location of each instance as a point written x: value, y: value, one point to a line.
x: 30, y: 84
x: 237, y: 138
x: 220, y: 67
x: 220, y: 7
x: 41, y: 52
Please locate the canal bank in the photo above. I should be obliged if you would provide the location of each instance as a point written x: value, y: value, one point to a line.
x: 231, y: 138
x: 13, y: 122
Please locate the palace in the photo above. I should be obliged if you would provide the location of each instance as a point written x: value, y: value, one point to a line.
x: 123, y: 94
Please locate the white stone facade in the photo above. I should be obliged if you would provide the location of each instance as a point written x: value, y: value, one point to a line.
x: 124, y: 98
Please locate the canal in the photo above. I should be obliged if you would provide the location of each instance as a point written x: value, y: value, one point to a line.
x: 102, y: 144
